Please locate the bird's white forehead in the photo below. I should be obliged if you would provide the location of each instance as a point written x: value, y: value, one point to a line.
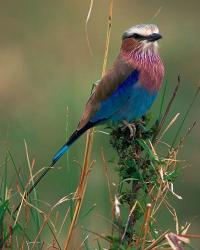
x: 142, y: 29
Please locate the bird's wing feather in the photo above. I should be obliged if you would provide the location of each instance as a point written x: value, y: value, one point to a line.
x: 118, y: 99
x: 101, y: 103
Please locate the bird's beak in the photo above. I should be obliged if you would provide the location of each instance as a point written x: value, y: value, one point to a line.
x: 154, y: 37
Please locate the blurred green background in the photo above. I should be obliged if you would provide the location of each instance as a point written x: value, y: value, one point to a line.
x: 46, y: 72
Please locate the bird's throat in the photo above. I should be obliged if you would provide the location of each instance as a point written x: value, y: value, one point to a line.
x: 139, y: 53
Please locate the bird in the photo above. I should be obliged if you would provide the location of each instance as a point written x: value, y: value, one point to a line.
x: 128, y: 88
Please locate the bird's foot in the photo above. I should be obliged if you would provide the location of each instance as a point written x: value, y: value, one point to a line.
x: 131, y: 127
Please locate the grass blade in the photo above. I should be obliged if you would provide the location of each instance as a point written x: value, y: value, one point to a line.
x: 185, y: 116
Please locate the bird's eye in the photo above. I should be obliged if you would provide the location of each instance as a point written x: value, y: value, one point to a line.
x: 138, y: 37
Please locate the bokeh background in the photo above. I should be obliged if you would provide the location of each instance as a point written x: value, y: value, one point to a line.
x: 46, y: 73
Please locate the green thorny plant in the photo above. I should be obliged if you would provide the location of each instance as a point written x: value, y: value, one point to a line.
x: 146, y: 180
x: 141, y: 174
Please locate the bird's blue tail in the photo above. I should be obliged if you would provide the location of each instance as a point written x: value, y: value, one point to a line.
x: 60, y: 153
x: 72, y: 139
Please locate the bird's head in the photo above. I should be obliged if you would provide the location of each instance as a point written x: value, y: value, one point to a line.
x: 143, y: 37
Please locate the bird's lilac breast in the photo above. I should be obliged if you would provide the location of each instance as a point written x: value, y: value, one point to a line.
x: 150, y: 68
x: 148, y: 63
x: 151, y: 77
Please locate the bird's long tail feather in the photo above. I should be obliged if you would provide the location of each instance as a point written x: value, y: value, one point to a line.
x: 71, y: 140
x: 57, y: 156
x: 60, y: 153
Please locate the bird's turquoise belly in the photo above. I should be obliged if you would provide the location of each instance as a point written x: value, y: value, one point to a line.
x: 138, y: 103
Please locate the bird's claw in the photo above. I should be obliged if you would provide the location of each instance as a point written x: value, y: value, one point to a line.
x: 131, y: 127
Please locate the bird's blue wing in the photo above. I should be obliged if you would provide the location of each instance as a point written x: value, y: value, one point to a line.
x: 118, y: 98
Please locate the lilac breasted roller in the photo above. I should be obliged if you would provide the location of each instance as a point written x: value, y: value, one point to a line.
x: 128, y: 88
